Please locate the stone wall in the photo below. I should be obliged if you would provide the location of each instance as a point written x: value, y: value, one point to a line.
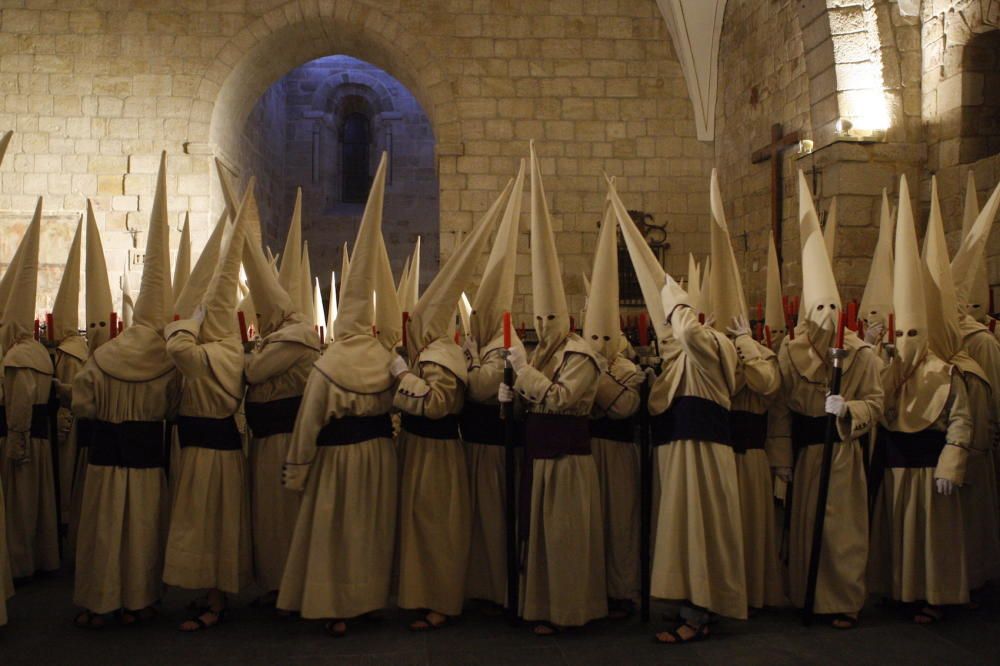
x: 95, y: 89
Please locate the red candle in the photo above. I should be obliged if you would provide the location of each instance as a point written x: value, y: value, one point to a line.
x: 790, y: 325
x: 36, y: 328
x: 643, y: 329
x: 50, y: 327
x: 113, y: 324
x: 243, y: 325
x: 892, y: 328
x: 177, y: 317
x: 852, y: 315
x: 767, y: 336
x: 760, y: 311
x: 506, y: 330
x: 841, y: 324
x: 406, y: 320
x: 572, y: 325
x: 758, y: 331
x: 701, y: 317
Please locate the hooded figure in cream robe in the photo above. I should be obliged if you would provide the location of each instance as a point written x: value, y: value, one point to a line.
x: 98, y: 313
x: 918, y: 547
x: 796, y: 433
x: 121, y: 399
x: 563, y: 581
x: 341, y: 459
x: 758, y: 381
x: 26, y: 472
x: 481, y: 425
x: 698, y: 555
x: 208, y: 545
x: 979, y: 360
x: 435, y: 518
x: 612, y: 424
x: 276, y: 374
x: 71, y: 354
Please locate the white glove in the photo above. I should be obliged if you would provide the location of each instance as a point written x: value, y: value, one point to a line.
x: 740, y: 326
x: 518, y: 358
x: 874, y: 333
x: 651, y: 375
x: 944, y: 487
x: 199, y: 314
x: 836, y: 405
x: 505, y: 394
x: 710, y: 320
x: 783, y: 473
x: 470, y: 347
x: 398, y: 366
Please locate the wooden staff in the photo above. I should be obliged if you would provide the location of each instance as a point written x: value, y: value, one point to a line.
x: 510, y: 485
x: 837, y: 356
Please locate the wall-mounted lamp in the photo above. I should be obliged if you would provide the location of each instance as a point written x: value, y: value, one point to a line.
x: 805, y: 146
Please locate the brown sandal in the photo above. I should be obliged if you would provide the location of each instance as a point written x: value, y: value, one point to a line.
x: 700, y: 634
x: 425, y: 623
x: 331, y: 628
x: 201, y: 624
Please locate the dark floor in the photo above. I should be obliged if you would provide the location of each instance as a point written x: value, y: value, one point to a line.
x: 41, y: 632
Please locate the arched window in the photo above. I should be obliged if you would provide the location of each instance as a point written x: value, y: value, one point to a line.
x: 355, y: 149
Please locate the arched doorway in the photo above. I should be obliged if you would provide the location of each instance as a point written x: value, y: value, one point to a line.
x: 322, y: 127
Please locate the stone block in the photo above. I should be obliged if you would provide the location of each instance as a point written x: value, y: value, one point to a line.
x: 123, y: 203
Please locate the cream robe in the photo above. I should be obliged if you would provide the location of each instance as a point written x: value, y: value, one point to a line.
x: 208, y: 545
x: 67, y: 366
x: 277, y: 370
x: 564, y: 567
x: 6, y: 580
x: 123, y: 511
x: 435, y: 515
x: 984, y: 348
x: 840, y: 586
x: 761, y: 380
x: 698, y: 553
x: 917, y: 542
x: 486, y: 578
x: 341, y: 556
x: 618, y: 472
x: 979, y: 492
x: 32, y: 533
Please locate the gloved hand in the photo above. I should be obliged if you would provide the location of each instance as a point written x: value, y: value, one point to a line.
x: 740, y: 326
x: 518, y: 358
x: 17, y: 448
x: 651, y: 375
x: 836, y: 405
x: 470, y: 347
x: 783, y: 473
x: 944, y: 487
x: 398, y: 366
x: 505, y: 394
x: 710, y: 320
x: 874, y: 333
x: 199, y: 314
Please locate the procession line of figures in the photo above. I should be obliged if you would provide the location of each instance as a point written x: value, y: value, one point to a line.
x: 204, y: 462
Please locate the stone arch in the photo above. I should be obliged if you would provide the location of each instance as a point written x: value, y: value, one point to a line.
x: 300, y: 31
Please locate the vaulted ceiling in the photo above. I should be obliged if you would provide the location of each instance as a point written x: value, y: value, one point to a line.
x: 695, y: 27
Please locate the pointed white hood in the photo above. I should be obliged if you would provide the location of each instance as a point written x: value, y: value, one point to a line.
x: 182, y: 264
x: 725, y: 286
x: 602, y: 320
x: 98, y: 301
x: 876, y: 303
x: 154, y: 307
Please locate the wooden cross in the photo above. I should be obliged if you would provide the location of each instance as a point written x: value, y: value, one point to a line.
x: 772, y: 152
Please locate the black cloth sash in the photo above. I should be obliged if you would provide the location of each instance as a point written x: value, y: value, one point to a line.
x: 690, y: 417
x: 131, y: 444
x: 615, y: 430
x: 808, y: 431
x: 481, y: 424
x: 421, y: 426
x: 84, y: 433
x: 547, y: 437
x: 208, y: 433
x: 3, y: 421
x: 354, y: 429
x: 40, y: 421
x: 749, y: 430
x: 276, y: 417
x: 911, y: 450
